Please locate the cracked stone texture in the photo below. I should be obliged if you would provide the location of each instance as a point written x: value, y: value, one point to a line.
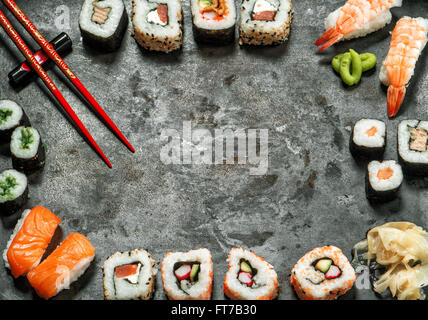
x: 312, y: 195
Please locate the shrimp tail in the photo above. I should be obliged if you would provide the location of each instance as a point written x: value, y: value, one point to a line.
x: 395, y: 99
x: 330, y: 37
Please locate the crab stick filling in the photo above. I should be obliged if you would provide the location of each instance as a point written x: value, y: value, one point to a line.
x: 418, y: 139
x: 129, y: 272
x: 264, y: 11
x: 159, y: 15
x: 100, y: 15
x: 328, y: 268
x: 187, y: 275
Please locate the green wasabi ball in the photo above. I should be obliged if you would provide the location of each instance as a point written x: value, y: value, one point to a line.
x: 336, y: 62
x: 368, y: 61
x: 351, y: 59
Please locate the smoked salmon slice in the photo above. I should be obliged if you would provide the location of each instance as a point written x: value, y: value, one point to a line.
x: 63, y: 266
x: 32, y: 236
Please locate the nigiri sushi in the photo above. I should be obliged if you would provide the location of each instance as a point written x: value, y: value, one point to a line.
x: 63, y: 266
x: 357, y: 18
x: 409, y: 38
x: 29, y: 240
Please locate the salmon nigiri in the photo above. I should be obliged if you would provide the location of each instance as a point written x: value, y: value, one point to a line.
x: 409, y: 38
x: 31, y: 237
x: 356, y: 18
x: 63, y: 266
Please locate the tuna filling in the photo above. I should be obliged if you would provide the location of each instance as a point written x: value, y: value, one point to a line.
x: 418, y: 139
x: 159, y: 15
x: 100, y: 15
x: 129, y: 272
x: 264, y: 11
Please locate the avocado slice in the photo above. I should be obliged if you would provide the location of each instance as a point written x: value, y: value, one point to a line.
x: 205, y: 3
x: 194, y: 272
x: 323, y: 265
x: 245, y: 267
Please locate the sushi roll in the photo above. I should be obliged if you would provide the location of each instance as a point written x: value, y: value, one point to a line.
x: 13, y: 191
x: 27, y: 150
x: 412, y: 147
x: 188, y: 275
x: 29, y: 240
x: 265, y: 22
x: 129, y: 276
x: 249, y: 277
x: 11, y: 117
x: 368, y: 139
x: 158, y: 24
x: 63, y: 266
x: 103, y: 23
x: 322, y: 274
x: 383, y: 180
x: 214, y: 21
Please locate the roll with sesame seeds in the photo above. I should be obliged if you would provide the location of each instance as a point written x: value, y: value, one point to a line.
x: 158, y: 24
x: 265, y: 22
x: 249, y: 277
x: 129, y: 276
x: 322, y: 274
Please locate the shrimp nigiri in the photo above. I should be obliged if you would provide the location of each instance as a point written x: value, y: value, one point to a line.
x: 63, y: 266
x: 29, y: 241
x: 409, y: 38
x: 357, y: 18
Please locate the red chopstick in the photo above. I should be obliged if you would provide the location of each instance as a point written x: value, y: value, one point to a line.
x: 7, y: 26
x: 53, y: 55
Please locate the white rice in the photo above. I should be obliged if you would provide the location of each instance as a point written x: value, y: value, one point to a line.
x: 265, y: 32
x: 200, y: 290
x: 228, y: 20
x: 385, y: 184
x: 69, y: 276
x: 19, y: 189
x: 121, y: 288
x: 15, y: 231
x: 419, y: 46
x: 15, y: 118
x: 377, y: 22
x: 404, y: 135
x: 152, y: 36
x: 265, y: 281
x: 16, y: 147
x: 305, y: 275
x: 361, y: 138
x: 107, y: 29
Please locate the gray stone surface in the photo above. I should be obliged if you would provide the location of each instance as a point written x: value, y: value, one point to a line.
x: 312, y: 195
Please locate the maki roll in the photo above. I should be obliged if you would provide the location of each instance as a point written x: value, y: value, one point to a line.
x: 188, y: 275
x: 249, y: 277
x: 103, y: 23
x: 11, y: 117
x: 214, y: 21
x: 322, y: 274
x: 26, y: 147
x: 265, y: 22
x: 13, y: 191
x: 129, y: 276
x: 29, y: 240
x: 158, y: 24
x: 383, y: 180
x: 368, y: 139
x: 412, y: 146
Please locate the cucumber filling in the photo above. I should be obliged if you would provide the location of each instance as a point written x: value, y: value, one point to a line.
x: 6, y: 187
x: 27, y: 138
x: 5, y: 115
x: 328, y: 268
x: 187, y: 274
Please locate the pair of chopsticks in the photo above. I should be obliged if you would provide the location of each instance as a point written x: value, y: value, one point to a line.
x: 53, y: 55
